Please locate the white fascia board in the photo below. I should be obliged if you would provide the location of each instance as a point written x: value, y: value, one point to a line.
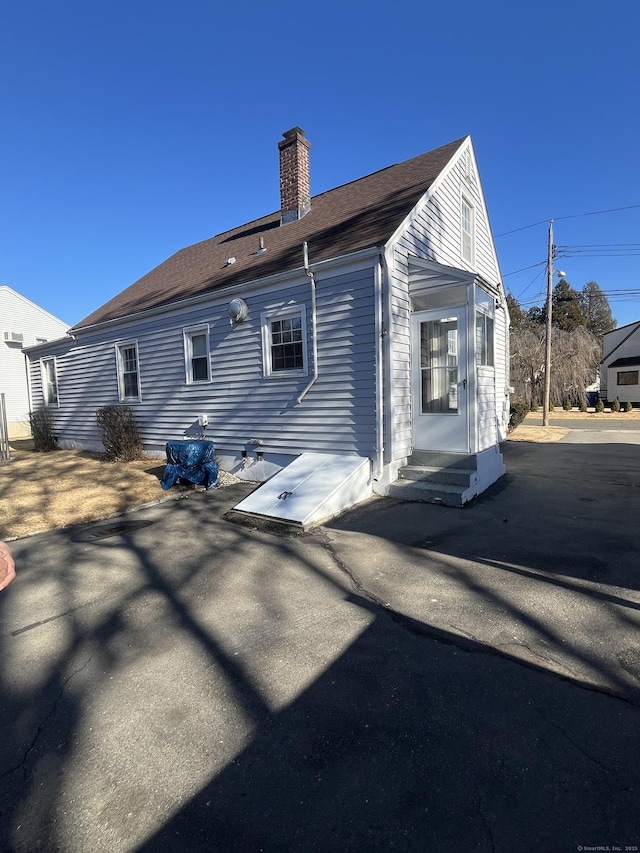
x: 35, y: 348
x: 469, y: 145
x: 351, y: 262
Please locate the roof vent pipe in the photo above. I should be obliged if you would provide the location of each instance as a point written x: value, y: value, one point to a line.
x: 305, y: 251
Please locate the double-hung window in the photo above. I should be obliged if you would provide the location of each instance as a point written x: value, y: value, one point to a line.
x: 485, y: 312
x: 128, y: 372
x: 285, y: 342
x: 467, y: 234
x: 196, y: 355
x: 49, y: 381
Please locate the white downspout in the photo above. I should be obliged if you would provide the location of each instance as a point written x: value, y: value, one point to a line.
x: 380, y: 333
x: 314, y: 378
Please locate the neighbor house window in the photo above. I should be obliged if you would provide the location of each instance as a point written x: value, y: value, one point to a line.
x: 49, y: 381
x: 285, y: 343
x: 467, y: 231
x: 196, y: 355
x: 627, y: 377
x: 128, y: 373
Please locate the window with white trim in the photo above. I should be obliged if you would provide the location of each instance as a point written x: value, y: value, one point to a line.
x: 49, y: 381
x: 196, y: 355
x: 467, y: 235
x: 128, y: 372
x: 284, y: 340
x: 484, y: 340
x: 485, y: 313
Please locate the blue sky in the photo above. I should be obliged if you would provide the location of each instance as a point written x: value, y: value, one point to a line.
x: 131, y: 130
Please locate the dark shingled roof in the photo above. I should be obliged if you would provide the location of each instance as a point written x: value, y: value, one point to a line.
x: 355, y: 216
x: 625, y: 362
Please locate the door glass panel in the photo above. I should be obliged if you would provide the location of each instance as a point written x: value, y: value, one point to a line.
x: 439, y: 366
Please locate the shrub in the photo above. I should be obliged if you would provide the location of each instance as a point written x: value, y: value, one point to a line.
x: 534, y: 406
x: 517, y: 414
x: 599, y: 405
x: 627, y: 407
x: 615, y: 406
x: 567, y: 406
x: 582, y: 405
x: 119, y: 433
x: 42, y: 430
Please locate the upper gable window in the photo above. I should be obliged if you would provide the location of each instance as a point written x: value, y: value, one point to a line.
x: 49, y: 381
x: 467, y: 231
x: 196, y: 355
x: 128, y: 373
x: 284, y: 342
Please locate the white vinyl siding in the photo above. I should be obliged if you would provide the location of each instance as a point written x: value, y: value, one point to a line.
x: 23, y: 317
x: 486, y: 408
x: 336, y: 416
x: 434, y: 233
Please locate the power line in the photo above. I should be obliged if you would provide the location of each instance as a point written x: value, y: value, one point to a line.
x: 572, y: 216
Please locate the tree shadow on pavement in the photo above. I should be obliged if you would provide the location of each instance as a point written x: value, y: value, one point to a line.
x: 193, y: 685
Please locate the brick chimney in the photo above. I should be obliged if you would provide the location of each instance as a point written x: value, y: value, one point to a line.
x: 295, y: 197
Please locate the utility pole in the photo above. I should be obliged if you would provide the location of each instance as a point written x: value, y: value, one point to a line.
x: 547, y: 352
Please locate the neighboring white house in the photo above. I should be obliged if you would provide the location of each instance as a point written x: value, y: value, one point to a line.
x: 368, y: 321
x: 620, y: 366
x: 22, y: 324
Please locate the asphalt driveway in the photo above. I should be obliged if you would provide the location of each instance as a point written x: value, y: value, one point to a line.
x: 407, y: 677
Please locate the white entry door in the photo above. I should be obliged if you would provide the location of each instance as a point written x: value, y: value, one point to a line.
x: 439, y: 380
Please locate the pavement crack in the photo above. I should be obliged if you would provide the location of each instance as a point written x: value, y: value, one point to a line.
x: 42, y: 725
x: 453, y: 637
x: 571, y: 740
x: 485, y: 822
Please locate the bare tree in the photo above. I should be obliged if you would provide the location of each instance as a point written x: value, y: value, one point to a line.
x: 527, y: 362
x: 575, y: 357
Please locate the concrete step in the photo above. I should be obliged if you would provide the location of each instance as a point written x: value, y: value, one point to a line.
x: 441, y: 459
x: 432, y: 474
x: 440, y: 493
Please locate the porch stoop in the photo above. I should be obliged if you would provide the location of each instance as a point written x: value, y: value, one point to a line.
x: 450, y: 479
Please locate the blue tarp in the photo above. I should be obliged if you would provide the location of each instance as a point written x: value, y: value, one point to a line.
x: 190, y: 460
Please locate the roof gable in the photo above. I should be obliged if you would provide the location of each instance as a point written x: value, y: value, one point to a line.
x: 349, y: 218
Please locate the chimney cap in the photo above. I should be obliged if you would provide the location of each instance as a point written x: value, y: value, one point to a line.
x: 295, y: 131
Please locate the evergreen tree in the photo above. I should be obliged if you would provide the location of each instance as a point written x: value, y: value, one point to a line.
x: 567, y: 307
x: 516, y: 313
x: 596, y: 310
